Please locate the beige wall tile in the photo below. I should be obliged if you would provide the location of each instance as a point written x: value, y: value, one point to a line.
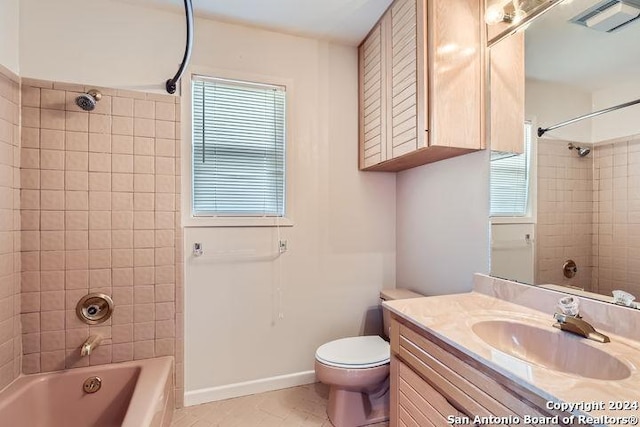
x: 97, y: 213
x: 77, y: 200
x: 77, y: 121
x: 144, y: 128
x: 99, y: 181
x: 122, y: 125
x: 100, y: 142
x: 52, y: 199
x: 53, y: 99
x: 52, y: 119
x: 99, y: 162
x: 52, y: 159
x: 144, y: 109
x: 122, y: 163
x: 77, y: 141
x: 122, y: 106
x: 143, y: 146
x: 165, y: 111
x: 76, y: 180
x: 99, y: 123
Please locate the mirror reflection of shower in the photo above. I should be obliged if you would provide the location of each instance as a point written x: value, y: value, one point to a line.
x: 582, y: 151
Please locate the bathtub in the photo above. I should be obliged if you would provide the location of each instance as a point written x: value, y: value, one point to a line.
x: 132, y: 394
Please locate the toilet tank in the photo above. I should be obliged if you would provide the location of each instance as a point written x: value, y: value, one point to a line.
x: 390, y: 295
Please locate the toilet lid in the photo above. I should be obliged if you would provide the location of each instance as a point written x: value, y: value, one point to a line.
x: 354, y: 352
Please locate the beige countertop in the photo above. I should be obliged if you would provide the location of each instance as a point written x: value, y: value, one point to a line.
x: 451, y: 318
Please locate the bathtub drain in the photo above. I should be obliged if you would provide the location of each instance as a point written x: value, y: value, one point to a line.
x: 92, y: 384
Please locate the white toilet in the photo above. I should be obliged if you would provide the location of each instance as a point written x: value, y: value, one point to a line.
x: 356, y: 370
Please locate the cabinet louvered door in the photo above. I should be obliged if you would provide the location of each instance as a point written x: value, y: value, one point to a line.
x: 373, y: 148
x: 404, y: 63
x: 419, y: 404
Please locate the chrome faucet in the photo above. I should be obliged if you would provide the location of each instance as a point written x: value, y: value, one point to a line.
x: 578, y: 326
x: 90, y: 344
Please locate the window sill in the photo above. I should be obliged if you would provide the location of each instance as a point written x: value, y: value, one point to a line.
x: 512, y: 220
x: 236, y: 222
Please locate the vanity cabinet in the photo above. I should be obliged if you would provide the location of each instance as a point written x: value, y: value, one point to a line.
x: 431, y: 381
x: 421, y: 84
x: 507, y: 86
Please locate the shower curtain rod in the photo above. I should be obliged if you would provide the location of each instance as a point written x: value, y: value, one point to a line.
x: 542, y: 131
x: 171, y: 84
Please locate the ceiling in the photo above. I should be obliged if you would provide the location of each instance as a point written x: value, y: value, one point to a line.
x: 562, y: 52
x: 344, y: 21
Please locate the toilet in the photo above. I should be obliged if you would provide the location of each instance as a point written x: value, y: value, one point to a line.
x: 356, y: 369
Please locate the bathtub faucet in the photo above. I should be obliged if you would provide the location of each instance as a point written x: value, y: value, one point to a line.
x: 90, y: 344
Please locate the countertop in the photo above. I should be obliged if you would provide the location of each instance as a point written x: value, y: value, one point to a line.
x: 451, y: 317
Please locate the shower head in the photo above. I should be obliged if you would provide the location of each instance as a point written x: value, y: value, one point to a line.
x: 87, y: 101
x: 582, y: 151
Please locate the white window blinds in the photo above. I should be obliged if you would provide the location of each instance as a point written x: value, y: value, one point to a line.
x: 238, y: 148
x: 510, y: 180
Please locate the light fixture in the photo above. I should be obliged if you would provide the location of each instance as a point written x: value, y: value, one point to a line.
x: 510, y: 12
x: 494, y: 15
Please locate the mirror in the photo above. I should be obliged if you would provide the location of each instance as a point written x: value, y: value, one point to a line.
x: 504, y: 17
x: 583, y: 187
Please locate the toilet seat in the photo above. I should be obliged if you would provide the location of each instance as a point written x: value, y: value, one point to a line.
x: 355, y: 352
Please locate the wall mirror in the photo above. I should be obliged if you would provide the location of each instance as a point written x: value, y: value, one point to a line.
x: 567, y: 211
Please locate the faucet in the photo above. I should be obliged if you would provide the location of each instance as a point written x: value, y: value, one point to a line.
x: 90, y: 344
x: 578, y: 326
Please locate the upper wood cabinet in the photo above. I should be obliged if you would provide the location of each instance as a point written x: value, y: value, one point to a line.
x: 507, y: 87
x: 421, y: 84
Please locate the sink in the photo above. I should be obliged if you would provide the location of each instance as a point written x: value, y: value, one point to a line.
x: 559, y: 351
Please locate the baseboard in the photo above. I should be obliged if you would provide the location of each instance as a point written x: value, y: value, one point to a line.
x: 197, y: 397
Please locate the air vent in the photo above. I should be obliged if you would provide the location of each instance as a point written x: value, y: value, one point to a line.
x: 609, y: 15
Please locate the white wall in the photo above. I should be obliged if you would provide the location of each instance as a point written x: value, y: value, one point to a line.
x: 105, y: 43
x: 551, y: 103
x: 342, y: 246
x: 512, y: 256
x: 443, y: 224
x: 9, y: 45
x: 618, y: 123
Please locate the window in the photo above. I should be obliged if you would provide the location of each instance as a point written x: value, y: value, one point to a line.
x: 238, y: 148
x: 510, y: 176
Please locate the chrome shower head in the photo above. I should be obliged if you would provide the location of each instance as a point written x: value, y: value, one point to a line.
x: 87, y: 101
x: 582, y: 151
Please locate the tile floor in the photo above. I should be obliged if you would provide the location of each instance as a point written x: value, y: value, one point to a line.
x: 291, y: 407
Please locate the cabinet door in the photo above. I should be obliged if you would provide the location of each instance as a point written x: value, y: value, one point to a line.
x: 373, y: 147
x: 507, y: 94
x: 456, y: 74
x: 418, y: 403
x: 403, y: 69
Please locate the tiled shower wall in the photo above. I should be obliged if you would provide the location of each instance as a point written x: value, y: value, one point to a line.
x: 10, y: 337
x: 565, y: 205
x: 100, y: 213
x: 616, y: 249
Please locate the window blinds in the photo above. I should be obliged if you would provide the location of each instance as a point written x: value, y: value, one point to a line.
x: 238, y: 148
x: 510, y: 181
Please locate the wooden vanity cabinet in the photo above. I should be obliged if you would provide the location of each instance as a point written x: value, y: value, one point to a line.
x: 421, y: 84
x: 431, y: 381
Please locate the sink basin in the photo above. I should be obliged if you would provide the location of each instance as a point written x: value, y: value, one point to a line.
x: 560, y: 352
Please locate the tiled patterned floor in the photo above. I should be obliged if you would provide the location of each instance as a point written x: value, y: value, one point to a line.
x: 291, y: 407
